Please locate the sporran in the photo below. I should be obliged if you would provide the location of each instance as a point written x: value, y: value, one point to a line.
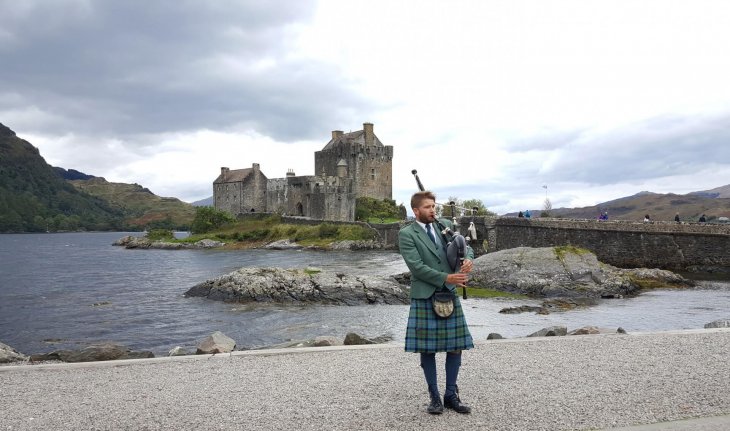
x: 443, y: 303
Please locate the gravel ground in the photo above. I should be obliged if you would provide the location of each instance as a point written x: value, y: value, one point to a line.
x: 553, y: 383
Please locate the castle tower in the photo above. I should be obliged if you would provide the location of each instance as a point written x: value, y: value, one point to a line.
x: 368, y: 162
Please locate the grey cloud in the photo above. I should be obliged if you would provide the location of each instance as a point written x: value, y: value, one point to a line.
x: 658, y: 147
x: 133, y: 67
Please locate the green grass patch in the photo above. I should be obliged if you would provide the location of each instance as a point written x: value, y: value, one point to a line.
x: 481, y: 292
x: 311, y: 271
x: 650, y: 283
x: 268, y: 229
x: 561, y: 251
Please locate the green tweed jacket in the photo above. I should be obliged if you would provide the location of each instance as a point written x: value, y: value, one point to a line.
x: 428, y: 268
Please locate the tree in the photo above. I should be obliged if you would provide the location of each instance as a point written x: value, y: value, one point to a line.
x: 546, y: 207
x: 479, y: 205
x: 209, y: 218
x: 367, y: 208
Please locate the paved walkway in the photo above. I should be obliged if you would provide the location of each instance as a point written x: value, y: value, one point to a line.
x: 556, y: 383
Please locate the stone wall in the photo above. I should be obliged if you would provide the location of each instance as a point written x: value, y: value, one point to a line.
x: 624, y: 244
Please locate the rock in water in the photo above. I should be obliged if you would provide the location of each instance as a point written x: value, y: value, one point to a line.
x: 564, y: 272
x: 353, y: 339
x: 722, y: 323
x: 279, y: 285
x: 8, y: 354
x: 94, y: 352
x: 216, y: 342
x: 551, y: 331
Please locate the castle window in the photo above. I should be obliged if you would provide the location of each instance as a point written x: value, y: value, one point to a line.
x: 372, y: 174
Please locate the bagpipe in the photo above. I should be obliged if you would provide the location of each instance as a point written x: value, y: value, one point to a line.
x: 456, y: 245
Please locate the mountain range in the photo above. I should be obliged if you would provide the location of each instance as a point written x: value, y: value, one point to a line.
x: 714, y: 203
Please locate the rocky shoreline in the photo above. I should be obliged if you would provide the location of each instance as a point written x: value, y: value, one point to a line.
x: 132, y: 242
x: 217, y: 342
x: 564, y: 277
x: 143, y: 243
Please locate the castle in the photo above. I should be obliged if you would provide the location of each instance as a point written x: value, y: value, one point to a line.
x: 350, y: 166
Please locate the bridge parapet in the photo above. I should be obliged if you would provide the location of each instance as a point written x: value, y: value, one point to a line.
x: 675, y: 246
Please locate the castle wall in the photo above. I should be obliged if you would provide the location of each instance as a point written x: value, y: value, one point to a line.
x: 241, y: 196
x: 369, y: 166
x: 276, y: 196
x: 227, y: 197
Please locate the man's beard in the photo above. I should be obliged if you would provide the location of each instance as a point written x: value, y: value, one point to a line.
x: 425, y: 219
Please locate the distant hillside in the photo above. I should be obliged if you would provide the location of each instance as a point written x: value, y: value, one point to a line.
x: 718, y: 192
x: 72, y: 174
x: 141, y: 207
x: 207, y: 202
x: 659, y: 207
x: 34, y: 198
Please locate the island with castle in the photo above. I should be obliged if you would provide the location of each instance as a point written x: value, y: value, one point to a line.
x: 350, y: 166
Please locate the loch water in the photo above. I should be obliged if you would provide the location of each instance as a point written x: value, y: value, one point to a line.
x: 69, y: 290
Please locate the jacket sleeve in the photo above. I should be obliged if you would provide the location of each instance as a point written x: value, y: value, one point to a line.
x: 419, y: 270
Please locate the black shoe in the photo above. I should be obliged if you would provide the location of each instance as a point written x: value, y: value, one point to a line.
x: 454, y: 403
x: 436, y: 407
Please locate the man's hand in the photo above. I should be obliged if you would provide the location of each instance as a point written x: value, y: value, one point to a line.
x: 467, y: 266
x: 459, y: 278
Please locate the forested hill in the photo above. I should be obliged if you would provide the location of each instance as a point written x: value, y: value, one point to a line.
x: 35, y: 197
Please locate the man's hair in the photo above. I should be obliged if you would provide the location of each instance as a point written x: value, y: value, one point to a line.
x: 419, y: 197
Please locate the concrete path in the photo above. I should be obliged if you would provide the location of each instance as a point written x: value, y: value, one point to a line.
x: 555, y: 383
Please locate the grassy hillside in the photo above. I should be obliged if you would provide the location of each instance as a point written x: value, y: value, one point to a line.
x: 34, y: 198
x: 659, y: 206
x: 141, y: 207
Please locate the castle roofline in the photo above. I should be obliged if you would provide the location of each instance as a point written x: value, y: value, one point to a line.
x: 236, y: 175
x: 362, y: 137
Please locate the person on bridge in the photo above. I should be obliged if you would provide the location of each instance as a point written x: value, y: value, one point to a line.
x: 702, y: 219
x: 423, y: 249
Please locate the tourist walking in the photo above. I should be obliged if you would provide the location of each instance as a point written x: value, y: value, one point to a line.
x: 423, y: 248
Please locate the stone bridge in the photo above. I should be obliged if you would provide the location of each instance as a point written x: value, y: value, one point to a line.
x: 686, y: 246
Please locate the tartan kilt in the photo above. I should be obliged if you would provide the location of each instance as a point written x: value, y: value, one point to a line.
x: 427, y: 333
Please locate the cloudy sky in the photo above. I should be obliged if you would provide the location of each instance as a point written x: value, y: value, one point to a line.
x: 489, y: 100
